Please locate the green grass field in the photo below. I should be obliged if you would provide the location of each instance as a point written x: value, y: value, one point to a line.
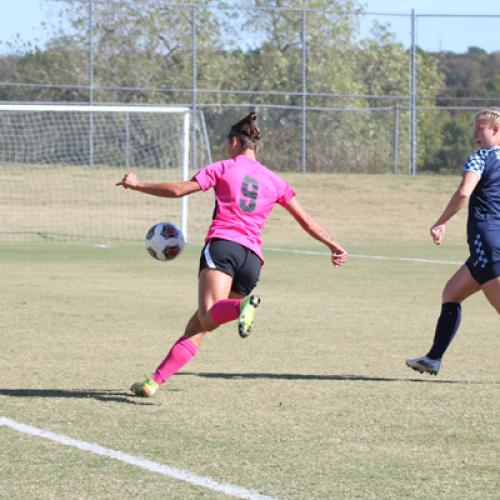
x: 316, y: 403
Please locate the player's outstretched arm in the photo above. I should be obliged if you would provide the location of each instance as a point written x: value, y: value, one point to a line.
x: 459, y: 200
x: 165, y: 189
x: 309, y: 224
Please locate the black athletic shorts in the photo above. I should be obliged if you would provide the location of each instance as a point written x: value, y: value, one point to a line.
x: 233, y: 259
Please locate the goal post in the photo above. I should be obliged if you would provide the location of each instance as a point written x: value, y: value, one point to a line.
x: 59, y: 164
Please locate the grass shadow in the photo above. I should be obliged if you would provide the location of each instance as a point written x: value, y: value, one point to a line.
x: 108, y: 396
x: 299, y: 376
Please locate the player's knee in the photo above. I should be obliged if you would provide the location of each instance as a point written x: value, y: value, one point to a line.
x: 450, y: 295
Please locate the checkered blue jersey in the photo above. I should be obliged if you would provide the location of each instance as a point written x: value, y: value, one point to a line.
x: 484, y: 204
x: 483, y: 224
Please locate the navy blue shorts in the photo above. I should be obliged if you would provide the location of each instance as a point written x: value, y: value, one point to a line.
x: 233, y: 259
x: 484, y: 260
x: 482, y: 274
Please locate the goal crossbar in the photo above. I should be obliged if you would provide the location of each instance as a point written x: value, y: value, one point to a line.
x: 94, y: 108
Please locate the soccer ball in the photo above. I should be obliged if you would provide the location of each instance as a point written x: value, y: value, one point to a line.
x: 164, y: 241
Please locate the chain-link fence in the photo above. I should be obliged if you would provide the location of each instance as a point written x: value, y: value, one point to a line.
x: 331, y: 94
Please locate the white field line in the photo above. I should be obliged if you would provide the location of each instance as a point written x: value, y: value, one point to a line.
x: 372, y: 257
x: 144, y: 463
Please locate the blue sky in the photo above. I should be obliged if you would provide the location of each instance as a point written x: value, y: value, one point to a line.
x: 443, y: 33
x: 433, y: 34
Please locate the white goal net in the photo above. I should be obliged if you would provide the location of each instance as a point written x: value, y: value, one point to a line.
x: 59, y: 165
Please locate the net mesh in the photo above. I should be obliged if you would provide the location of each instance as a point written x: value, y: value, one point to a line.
x: 59, y: 170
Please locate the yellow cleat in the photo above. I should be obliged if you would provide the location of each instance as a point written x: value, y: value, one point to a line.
x: 248, y: 308
x: 146, y: 389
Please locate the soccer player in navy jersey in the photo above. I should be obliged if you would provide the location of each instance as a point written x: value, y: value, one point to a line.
x: 480, y: 187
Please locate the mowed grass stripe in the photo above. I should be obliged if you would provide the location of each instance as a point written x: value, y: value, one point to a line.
x: 165, y: 470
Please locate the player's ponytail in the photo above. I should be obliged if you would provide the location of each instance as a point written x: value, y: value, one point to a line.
x: 247, y: 131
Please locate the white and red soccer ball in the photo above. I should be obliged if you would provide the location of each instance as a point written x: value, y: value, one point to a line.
x: 164, y: 241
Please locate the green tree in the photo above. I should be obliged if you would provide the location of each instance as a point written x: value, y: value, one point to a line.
x: 142, y: 52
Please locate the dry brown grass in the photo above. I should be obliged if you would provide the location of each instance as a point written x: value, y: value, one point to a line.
x: 81, y: 204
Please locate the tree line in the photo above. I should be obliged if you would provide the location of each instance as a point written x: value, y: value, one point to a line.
x: 142, y: 53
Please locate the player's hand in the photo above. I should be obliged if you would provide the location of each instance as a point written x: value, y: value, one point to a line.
x: 437, y: 233
x: 339, y: 256
x: 129, y: 180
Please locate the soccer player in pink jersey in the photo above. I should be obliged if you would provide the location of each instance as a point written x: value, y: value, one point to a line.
x: 245, y: 193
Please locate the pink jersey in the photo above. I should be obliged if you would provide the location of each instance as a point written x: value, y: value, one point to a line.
x: 245, y: 194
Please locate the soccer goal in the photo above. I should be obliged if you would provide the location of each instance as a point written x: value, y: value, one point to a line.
x: 59, y: 165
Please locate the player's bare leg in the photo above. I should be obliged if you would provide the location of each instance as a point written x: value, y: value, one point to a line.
x: 460, y: 286
x: 492, y: 291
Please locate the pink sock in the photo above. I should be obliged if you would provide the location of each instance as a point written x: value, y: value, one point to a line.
x: 180, y: 353
x: 225, y: 310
